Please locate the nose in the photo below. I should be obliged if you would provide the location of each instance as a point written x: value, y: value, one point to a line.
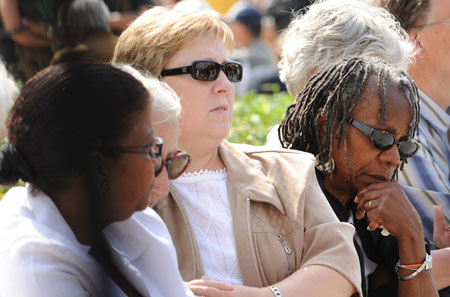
x: 391, y: 157
x: 161, y: 185
x: 222, y: 84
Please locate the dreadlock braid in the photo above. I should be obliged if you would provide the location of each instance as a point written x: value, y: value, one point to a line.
x: 335, y: 92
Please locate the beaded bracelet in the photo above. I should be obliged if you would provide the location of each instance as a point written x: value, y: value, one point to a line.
x: 275, y: 291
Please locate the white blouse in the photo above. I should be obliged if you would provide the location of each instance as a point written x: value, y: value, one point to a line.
x: 41, y: 256
x: 205, y: 198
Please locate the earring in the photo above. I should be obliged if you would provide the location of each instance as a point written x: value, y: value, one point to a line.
x: 325, y: 167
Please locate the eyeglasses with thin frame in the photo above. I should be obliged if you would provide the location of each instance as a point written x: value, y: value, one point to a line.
x: 154, y: 150
x: 205, y: 70
x: 383, y: 140
x: 176, y: 163
x: 435, y: 23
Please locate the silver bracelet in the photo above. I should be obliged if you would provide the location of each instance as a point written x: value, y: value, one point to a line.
x: 275, y: 291
x: 426, y: 265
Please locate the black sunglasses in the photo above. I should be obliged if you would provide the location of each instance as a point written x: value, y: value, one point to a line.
x: 154, y: 150
x: 208, y: 70
x: 176, y: 163
x: 383, y: 140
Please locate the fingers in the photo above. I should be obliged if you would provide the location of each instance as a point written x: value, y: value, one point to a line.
x: 212, y: 284
x: 209, y: 292
x: 366, y: 204
x: 377, y: 193
x: 387, y: 207
x: 210, y: 288
x: 373, y: 225
x: 439, y: 227
x: 363, y: 208
x: 377, y: 186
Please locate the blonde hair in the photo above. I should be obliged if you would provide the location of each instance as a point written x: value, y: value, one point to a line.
x: 165, y: 102
x: 332, y: 30
x: 158, y: 33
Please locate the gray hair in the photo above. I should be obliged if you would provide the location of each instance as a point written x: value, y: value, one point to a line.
x: 8, y: 92
x: 331, y: 30
x: 86, y: 16
x: 166, y: 103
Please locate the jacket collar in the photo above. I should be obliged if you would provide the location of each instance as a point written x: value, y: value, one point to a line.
x: 254, y: 184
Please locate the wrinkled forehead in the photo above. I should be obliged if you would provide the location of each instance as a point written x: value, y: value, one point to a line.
x: 385, y: 97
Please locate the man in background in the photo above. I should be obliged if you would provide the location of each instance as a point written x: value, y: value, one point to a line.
x: 426, y: 177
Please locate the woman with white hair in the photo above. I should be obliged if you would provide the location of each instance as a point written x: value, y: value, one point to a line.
x: 8, y: 92
x: 332, y: 30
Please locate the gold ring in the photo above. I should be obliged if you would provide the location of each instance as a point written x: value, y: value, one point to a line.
x: 370, y: 204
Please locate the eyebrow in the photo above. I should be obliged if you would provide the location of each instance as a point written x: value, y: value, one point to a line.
x: 391, y: 130
x: 386, y: 128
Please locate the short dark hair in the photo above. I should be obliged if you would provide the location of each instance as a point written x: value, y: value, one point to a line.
x: 335, y: 92
x: 66, y: 111
x: 410, y: 13
x: 79, y: 18
x: 283, y: 11
x: 250, y: 17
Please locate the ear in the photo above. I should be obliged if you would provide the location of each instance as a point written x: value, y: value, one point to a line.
x: 97, y: 168
x: 415, y: 37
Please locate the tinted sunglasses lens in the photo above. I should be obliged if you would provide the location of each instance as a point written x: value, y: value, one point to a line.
x: 177, y: 165
x: 382, y: 140
x: 155, y: 153
x: 233, y: 71
x: 407, y: 148
x: 206, y: 70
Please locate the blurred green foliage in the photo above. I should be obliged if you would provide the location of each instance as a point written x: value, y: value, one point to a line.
x: 255, y: 114
x: 4, y: 189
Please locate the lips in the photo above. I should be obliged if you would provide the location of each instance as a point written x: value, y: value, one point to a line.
x: 380, y: 178
x: 220, y: 108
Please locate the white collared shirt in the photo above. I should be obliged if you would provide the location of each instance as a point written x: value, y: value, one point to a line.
x: 42, y: 257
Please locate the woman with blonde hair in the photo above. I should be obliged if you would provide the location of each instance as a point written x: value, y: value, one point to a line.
x: 247, y: 216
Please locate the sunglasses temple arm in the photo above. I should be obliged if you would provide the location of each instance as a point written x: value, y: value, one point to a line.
x: 364, y: 129
x: 176, y: 71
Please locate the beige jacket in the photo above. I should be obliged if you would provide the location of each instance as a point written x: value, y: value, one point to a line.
x: 281, y: 219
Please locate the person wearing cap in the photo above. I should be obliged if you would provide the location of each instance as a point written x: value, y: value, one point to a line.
x: 246, y: 27
x: 251, y: 50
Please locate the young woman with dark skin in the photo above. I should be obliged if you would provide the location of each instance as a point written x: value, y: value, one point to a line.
x: 81, y: 136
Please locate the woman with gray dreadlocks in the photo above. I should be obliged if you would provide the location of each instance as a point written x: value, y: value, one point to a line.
x: 358, y: 117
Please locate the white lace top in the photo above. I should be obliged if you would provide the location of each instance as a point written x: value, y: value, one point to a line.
x: 205, y: 198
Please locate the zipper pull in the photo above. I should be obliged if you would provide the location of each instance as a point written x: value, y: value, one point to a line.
x: 284, y: 244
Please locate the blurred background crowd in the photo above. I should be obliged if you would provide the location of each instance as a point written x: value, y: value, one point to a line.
x: 38, y: 33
